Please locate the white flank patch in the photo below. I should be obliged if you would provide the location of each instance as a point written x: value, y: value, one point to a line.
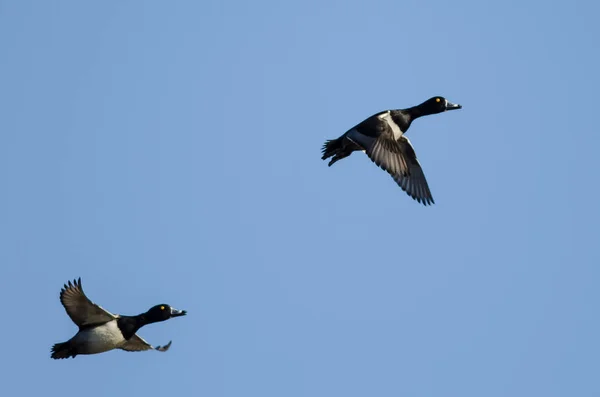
x: 100, y: 339
x: 387, y: 117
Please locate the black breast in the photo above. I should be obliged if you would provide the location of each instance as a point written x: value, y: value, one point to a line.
x: 128, y: 326
x: 402, y: 119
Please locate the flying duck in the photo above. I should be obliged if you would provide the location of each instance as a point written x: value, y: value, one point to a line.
x: 101, y: 331
x: 382, y: 138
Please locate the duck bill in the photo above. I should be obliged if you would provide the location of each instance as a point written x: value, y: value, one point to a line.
x: 452, y: 106
x: 177, y: 313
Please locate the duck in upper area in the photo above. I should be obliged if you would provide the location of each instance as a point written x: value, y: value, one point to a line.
x: 101, y: 331
x: 381, y: 137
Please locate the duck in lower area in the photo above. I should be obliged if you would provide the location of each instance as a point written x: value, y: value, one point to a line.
x: 101, y: 331
x: 381, y: 137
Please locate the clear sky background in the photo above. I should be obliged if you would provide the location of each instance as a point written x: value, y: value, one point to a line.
x: 169, y: 151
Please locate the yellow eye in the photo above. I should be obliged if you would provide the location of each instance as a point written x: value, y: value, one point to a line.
x: 162, y: 308
x: 437, y: 99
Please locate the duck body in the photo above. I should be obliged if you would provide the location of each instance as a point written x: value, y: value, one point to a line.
x: 381, y: 137
x: 92, y: 340
x: 101, y: 331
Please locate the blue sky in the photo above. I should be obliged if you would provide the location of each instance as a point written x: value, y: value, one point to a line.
x: 170, y: 152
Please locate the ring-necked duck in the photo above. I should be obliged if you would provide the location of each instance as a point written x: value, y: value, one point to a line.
x: 381, y: 137
x: 101, y: 331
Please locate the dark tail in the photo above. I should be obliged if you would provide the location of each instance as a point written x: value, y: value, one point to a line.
x: 334, y: 148
x: 62, y: 350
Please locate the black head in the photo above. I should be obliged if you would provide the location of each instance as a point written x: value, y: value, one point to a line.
x: 162, y: 312
x: 437, y: 104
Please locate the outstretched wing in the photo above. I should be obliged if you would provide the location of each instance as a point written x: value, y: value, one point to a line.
x: 397, y: 158
x: 82, y: 311
x: 413, y: 182
x: 137, y: 344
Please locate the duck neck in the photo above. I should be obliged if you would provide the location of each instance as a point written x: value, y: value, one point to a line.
x: 129, y: 325
x: 145, y: 318
x: 415, y: 112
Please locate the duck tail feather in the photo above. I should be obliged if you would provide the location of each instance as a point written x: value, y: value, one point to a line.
x: 62, y: 350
